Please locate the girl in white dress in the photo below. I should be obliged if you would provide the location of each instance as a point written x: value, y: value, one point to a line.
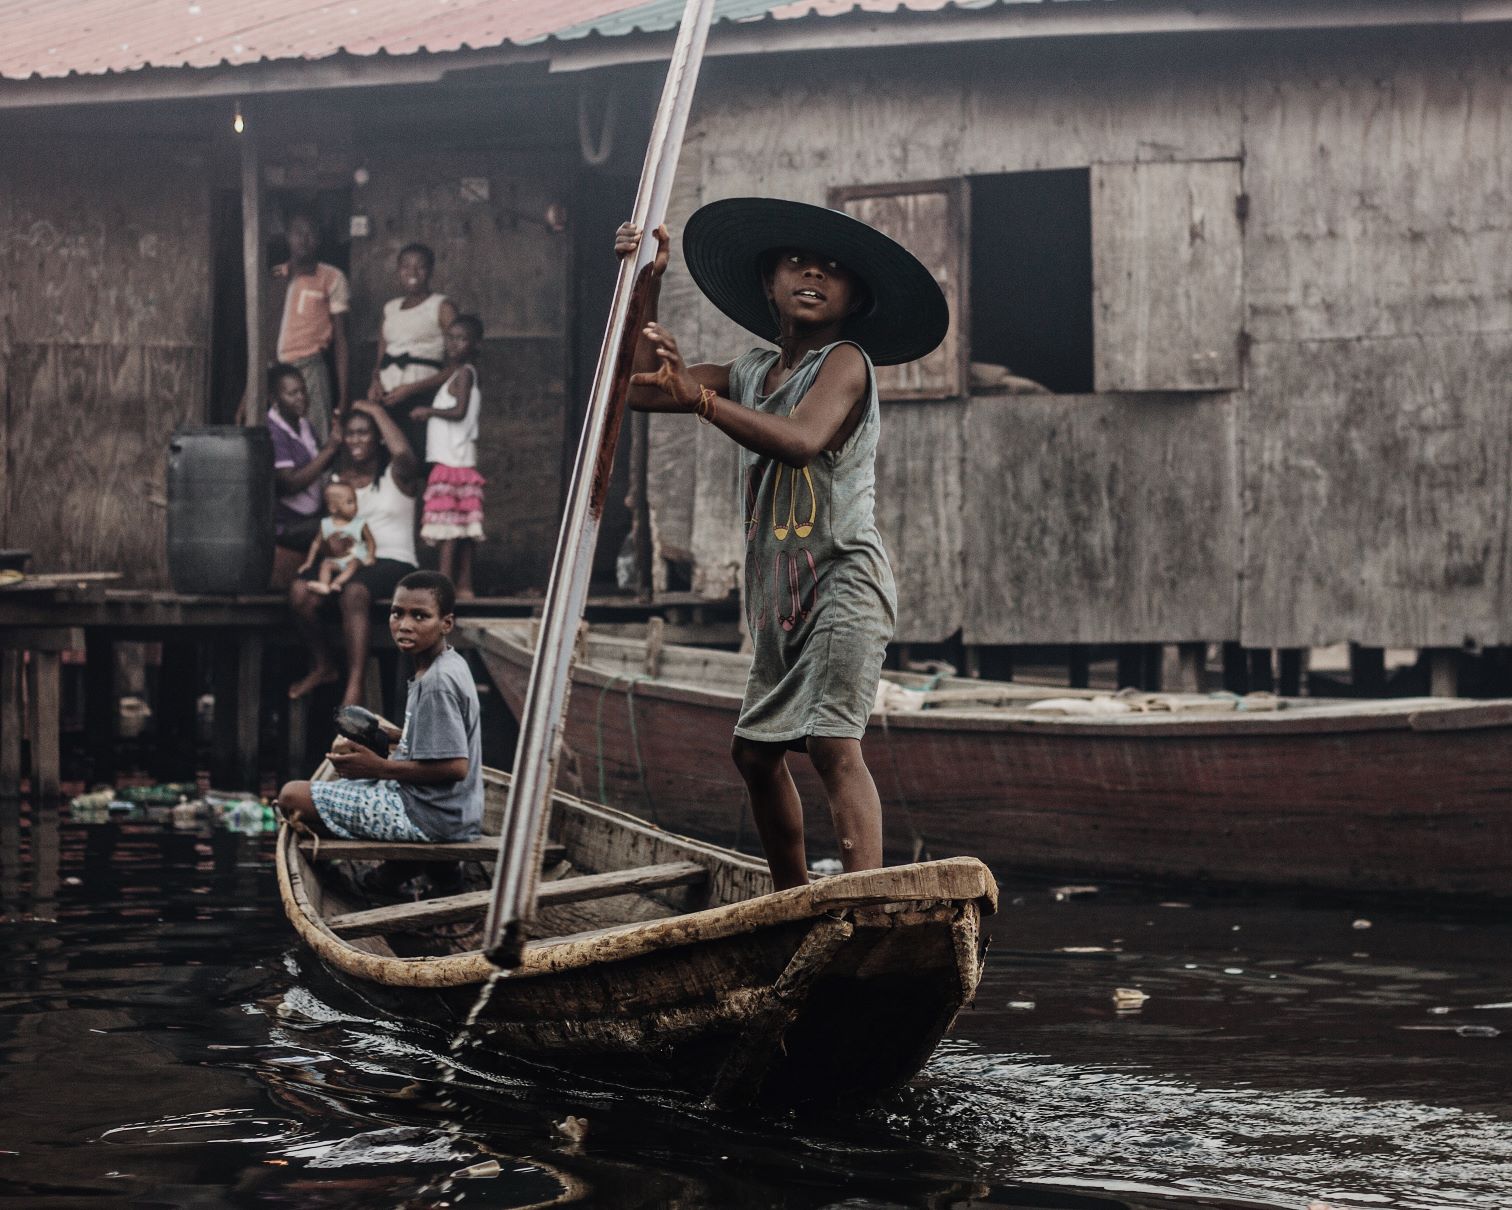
x: 412, y: 344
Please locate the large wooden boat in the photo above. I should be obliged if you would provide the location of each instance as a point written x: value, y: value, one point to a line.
x: 1395, y: 795
x: 660, y: 960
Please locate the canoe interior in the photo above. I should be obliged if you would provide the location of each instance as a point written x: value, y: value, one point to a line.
x: 669, y: 984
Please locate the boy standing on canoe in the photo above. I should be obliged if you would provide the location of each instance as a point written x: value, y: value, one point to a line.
x: 837, y: 298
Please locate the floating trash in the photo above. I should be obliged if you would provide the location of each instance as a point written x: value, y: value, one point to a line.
x: 1062, y: 893
x: 1360, y: 924
x: 1021, y: 1006
x: 1129, y: 999
x: 574, y: 1130
x: 477, y: 1172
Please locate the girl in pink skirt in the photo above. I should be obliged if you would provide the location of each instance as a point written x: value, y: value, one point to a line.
x: 452, y: 515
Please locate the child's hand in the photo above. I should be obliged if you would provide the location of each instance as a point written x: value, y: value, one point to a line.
x: 358, y: 764
x: 280, y: 271
x: 397, y: 396
x: 422, y: 413
x: 671, y: 377
x: 628, y: 238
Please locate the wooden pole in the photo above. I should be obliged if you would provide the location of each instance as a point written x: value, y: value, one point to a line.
x: 526, y: 811
x: 252, y: 272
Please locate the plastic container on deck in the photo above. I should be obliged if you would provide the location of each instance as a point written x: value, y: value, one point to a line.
x: 220, y: 509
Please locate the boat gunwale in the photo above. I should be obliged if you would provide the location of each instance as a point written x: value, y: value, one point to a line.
x: 959, y: 879
x: 1310, y: 716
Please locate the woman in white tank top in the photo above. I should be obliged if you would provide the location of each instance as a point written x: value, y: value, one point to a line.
x: 377, y: 460
x: 411, y: 344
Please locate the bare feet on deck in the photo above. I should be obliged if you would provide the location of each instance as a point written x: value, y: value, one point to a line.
x: 319, y: 589
x: 308, y: 684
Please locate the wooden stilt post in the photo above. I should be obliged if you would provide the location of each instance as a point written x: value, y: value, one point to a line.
x: 1191, y: 667
x: 101, y: 707
x: 1078, y: 667
x: 1293, y: 662
x: 1235, y: 668
x: 1367, y: 670
x: 248, y: 709
x: 1443, y: 671
x: 11, y: 723
x: 252, y: 271
x: 45, y: 685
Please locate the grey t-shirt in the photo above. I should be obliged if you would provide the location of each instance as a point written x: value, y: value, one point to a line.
x: 441, y: 723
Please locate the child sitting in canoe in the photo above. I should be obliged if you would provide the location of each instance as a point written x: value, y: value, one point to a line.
x: 431, y: 787
x: 836, y: 297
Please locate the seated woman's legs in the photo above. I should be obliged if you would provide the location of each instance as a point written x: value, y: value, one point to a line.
x: 305, y: 604
x: 854, y: 804
x: 356, y: 630
x: 776, y: 807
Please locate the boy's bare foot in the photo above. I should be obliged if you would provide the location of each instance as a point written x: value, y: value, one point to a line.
x: 317, y: 677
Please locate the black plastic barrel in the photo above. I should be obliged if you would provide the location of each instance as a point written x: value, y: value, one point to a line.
x: 220, y: 509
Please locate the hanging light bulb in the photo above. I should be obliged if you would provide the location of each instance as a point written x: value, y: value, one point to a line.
x: 237, y: 124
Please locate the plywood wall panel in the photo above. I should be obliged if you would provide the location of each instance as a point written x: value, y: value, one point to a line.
x: 922, y: 515
x: 109, y: 243
x: 1168, y: 276
x: 522, y: 430
x: 1377, y: 483
x: 90, y: 426
x: 1096, y: 519
x: 1379, y: 181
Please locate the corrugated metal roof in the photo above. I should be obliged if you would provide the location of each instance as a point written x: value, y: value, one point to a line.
x: 52, y: 38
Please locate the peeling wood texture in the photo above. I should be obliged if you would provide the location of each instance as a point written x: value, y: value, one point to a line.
x: 1091, y: 520
x: 496, y: 259
x: 1378, y: 482
x: 1168, y: 276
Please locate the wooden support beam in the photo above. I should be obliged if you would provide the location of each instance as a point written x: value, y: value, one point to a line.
x: 1262, y: 673
x: 11, y: 723
x: 1235, y: 669
x: 248, y: 708
x: 1367, y: 670
x: 44, y: 682
x: 175, y: 712
x: 1293, y: 662
x: 253, y: 271
x: 101, y: 705
x: 1078, y: 667
x: 428, y: 912
x: 1443, y: 671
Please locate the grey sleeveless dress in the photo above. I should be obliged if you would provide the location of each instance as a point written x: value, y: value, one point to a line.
x: 820, y: 599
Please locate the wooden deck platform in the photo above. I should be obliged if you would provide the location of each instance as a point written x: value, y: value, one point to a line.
x: 45, y: 615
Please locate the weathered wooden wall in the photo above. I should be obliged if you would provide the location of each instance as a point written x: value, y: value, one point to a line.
x: 494, y: 258
x: 105, y: 257
x: 1354, y: 485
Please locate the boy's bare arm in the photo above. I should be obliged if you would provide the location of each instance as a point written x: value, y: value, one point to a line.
x: 363, y: 763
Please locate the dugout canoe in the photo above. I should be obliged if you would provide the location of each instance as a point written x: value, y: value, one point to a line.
x: 662, y: 961
x: 1400, y: 795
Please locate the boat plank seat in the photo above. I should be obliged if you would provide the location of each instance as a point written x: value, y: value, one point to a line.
x: 401, y: 916
x: 484, y: 850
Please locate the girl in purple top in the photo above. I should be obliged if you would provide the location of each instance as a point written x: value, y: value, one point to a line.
x: 299, y: 465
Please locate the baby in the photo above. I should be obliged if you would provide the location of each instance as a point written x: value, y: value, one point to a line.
x: 343, y: 544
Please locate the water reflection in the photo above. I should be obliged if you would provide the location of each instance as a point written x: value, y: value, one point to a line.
x: 163, y: 1042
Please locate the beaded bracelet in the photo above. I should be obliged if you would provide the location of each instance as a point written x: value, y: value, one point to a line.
x: 704, y: 408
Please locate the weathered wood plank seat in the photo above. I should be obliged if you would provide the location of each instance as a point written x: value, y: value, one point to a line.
x: 485, y: 849
x: 376, y: 921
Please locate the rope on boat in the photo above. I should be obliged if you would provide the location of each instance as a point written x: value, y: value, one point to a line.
x: 640, y: 765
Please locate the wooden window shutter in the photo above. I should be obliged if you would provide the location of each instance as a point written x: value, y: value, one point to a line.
x: 1168, y: 276
x: 930, y: 220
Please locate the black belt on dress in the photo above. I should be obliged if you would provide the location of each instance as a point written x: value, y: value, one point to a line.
x: 404, y: 361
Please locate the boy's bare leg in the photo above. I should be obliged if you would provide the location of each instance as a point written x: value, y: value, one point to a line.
x: 305, y: 604
x: 356, y: 628
x: 464, y: 569
x: 299, y: 808
x: 854, y: 804
x: 776, y: 807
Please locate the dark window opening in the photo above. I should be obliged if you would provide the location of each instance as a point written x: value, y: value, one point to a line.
x: 1031, y: 281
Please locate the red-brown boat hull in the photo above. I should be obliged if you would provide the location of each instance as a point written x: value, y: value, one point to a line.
x: 1352, y: 802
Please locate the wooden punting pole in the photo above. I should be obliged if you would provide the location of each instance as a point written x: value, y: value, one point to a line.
x: 527, y: 809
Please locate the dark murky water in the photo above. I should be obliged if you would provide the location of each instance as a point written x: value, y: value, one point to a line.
x: 163, y: 1043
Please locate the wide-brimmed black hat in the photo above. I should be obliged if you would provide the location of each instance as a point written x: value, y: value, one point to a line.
x: 724, y: 244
